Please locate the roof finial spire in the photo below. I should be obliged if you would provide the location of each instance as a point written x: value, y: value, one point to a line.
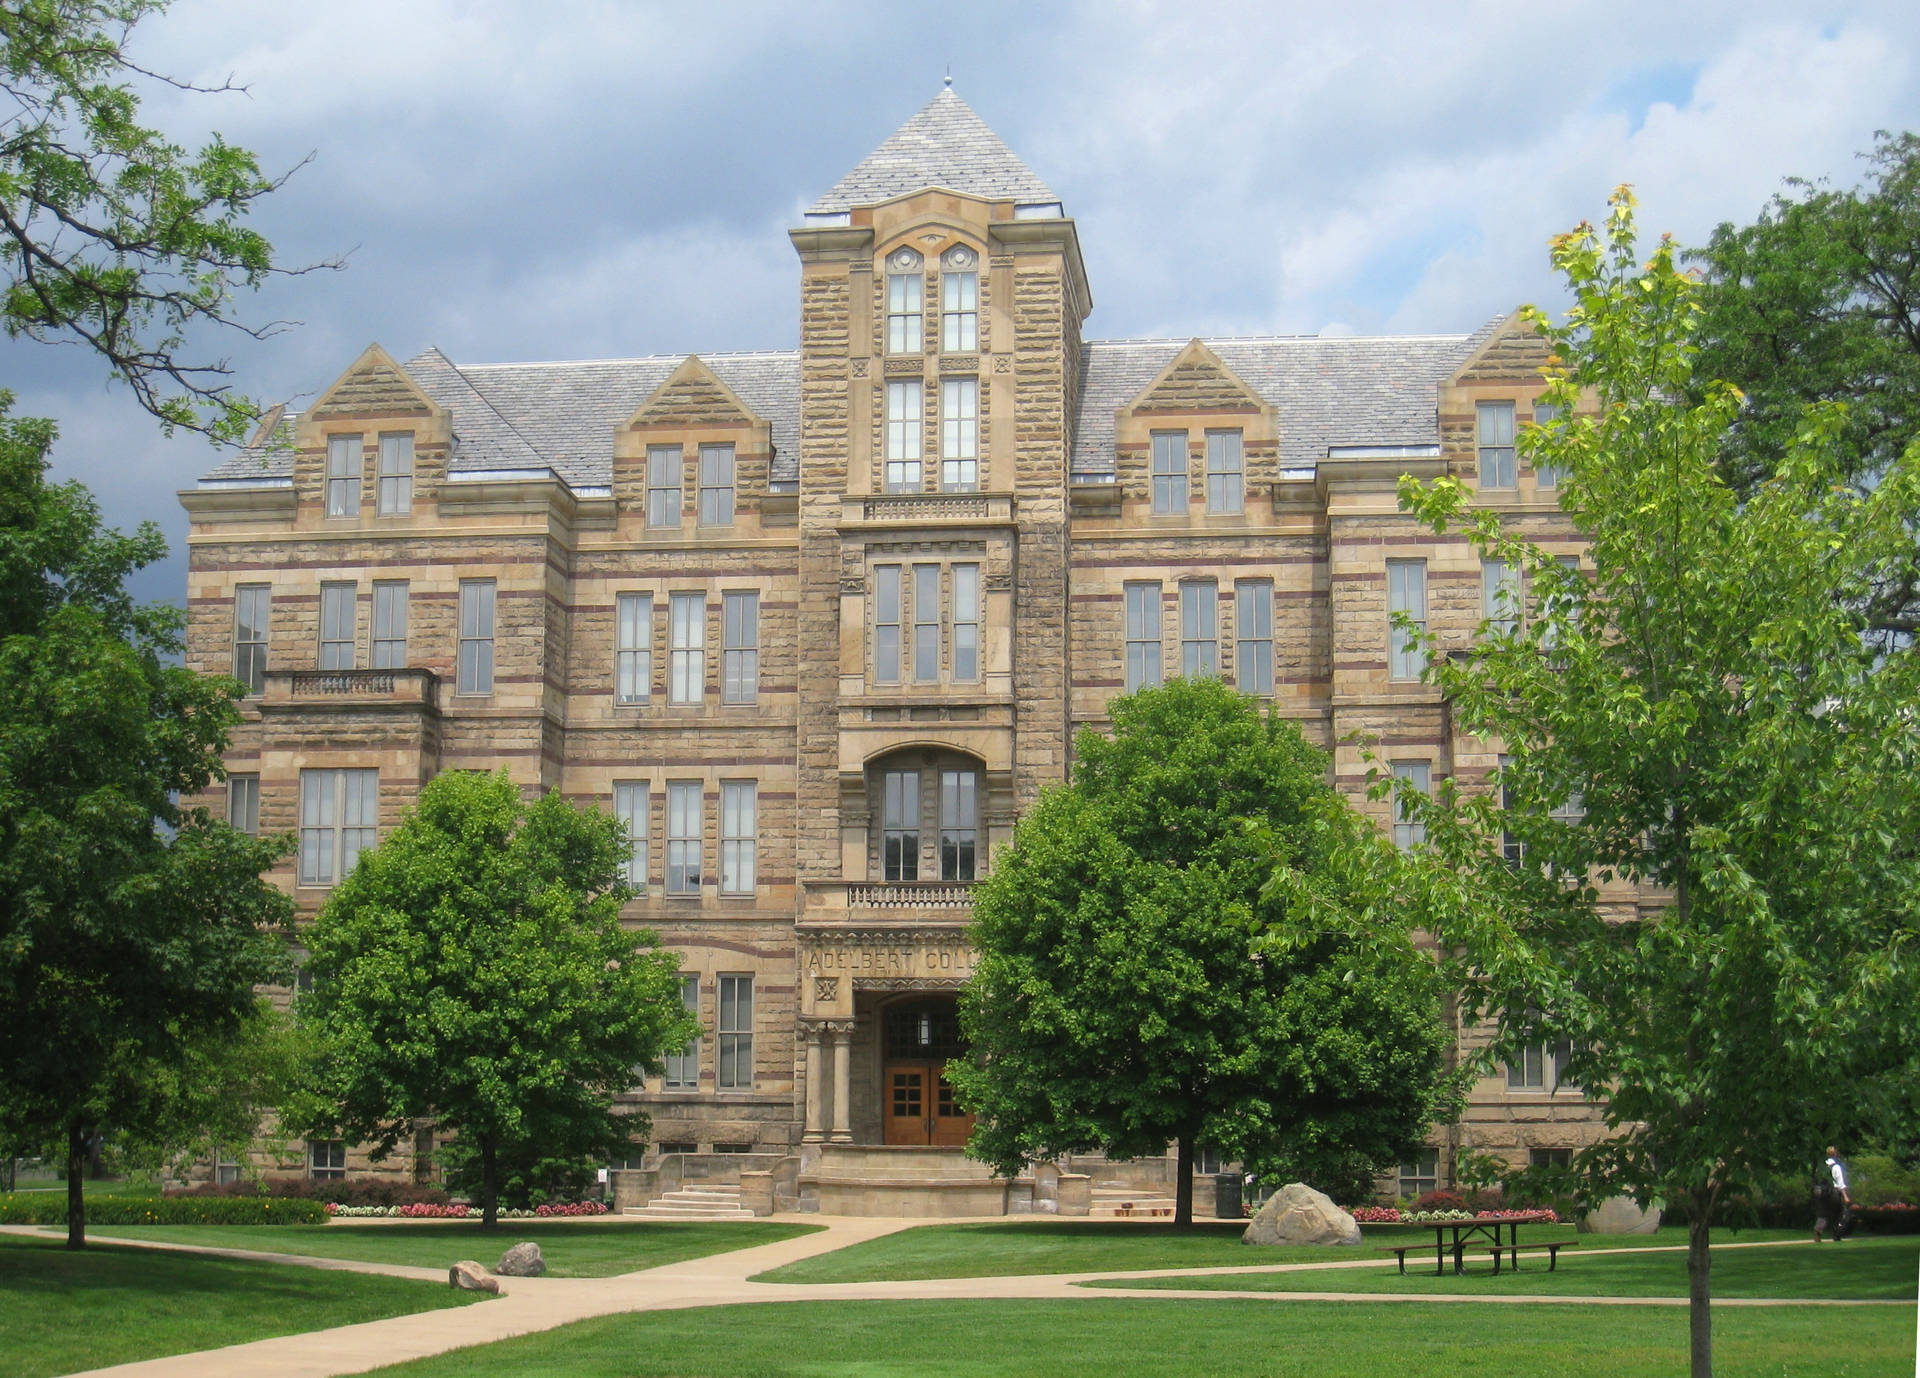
x: 947, y: 81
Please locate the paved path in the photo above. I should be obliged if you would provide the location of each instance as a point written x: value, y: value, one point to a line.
x: 528, y: 1305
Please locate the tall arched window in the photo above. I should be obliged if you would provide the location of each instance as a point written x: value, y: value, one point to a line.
x: 905, y: 294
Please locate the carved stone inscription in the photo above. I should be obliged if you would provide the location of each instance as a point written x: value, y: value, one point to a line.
x: 894, y: 960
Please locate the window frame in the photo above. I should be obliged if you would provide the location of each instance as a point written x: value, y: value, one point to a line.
x: 1226, y: 485
x: 335, y: 840
x: 478, y: 609
x: 334, y: 1169
x: 1419, y: 1181
x: 686, y: 648
x: 960, y: 309
x: 889, y: 616
x: 243, y: 802
x: 1542, y: 1067
x: 906, y: 305
x: 1169, y: 479
x: 959, y: 824
x: 686, y: 803
x: 740, y: 646
x: 1253, y: 610
x: 345, y: 471
x: 632, y: 647
x: 682, y: 1068
x: 965, y: 615
x: 905, y: 463
x: 1151, y: 670
x: 959, y: 435
x: 1409, y: 832
x: 633, y: 806
x: 925, y: 611
x: 1199, y: 629
x: 394, y: 490
x: 1493, y: 419
x: 1547, y: 477
x: 339, y: 599
x: 390, y: 610
x: 733, y: 1032
x: 1405, y: 660
x: 739, y: 837
x: 719, y: 472
x: 666, y: 501
x: 250, y: 653
x: 1500, y: 597
x: 900, y: 864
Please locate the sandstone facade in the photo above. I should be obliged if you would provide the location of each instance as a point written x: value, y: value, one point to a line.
x: 821, y: 623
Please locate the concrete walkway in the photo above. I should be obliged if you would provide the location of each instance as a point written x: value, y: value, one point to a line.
x: 529, y: 1305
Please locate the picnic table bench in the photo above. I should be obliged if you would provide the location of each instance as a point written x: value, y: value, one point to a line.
x: 1463, y: 1232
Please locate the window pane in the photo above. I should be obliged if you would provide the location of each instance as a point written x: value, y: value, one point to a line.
x: 1253, y: 620
x: 1198, y: 646
x: 960, y: 312
x: 904, y: 330
x: 632, y: 804
x: 243, y: 803
x: 900, y: 824
x: 966, y: 622
x: 716, y: 485
x: 886, y: 624
x: 343, y: 476
x: 687, y: 658
x: 1408, y: 832
x: 740, y: 668
x: 396, y: 474
x: 903, y: 437
x: 683, y: 837
x: 1500, y: 596
x: 336, y: 626
x: 389, y: 624
x: 926, y: 623
x: 664, y: 479
x: 683, y: 1067
x: 959, y: 435
x: 1407, y: 593
x: 738, y: 808
x: 735, y: 1033
x: 1494, y: 421
x: 958, y: 824
x: 251, y: 610
x: 633, y: 648
x: 475, y: 671
x: 1169, y: 472
x: 1143, y: 635
x: 1224, y: 478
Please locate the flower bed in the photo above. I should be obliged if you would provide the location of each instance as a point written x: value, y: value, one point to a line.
x: 425, y: 1210
x: 48, y: 1209
x: 1390, y: 1215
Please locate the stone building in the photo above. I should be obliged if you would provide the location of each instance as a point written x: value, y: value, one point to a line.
x: 819, y: 623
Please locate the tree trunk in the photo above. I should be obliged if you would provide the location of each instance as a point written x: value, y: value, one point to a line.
x: 1183, y: 1182
x: 489, y: 1186
x: 76, y: 1186
x: 1699, y: 1293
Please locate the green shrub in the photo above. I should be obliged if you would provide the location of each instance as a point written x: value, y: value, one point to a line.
x: 342, y: 1191
x: 1878, y: 1179
x: 47, y: 1209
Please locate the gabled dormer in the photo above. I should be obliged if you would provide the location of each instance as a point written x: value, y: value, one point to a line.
x: 1485, y: 406
x: 1196, y: 442
x: 372, y: 448
x: 692, y: 456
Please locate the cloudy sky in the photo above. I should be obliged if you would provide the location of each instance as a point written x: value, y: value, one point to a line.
x: 576, y: 179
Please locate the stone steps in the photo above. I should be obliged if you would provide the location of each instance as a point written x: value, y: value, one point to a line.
x: 718, y: 1202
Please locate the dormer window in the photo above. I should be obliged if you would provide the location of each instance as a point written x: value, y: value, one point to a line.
x: 343, y: 476
x: 396, y: 473
x: 905, y: 293
x: 960, y: 301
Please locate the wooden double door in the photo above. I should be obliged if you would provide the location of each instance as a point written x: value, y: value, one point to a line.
x: 919, y: 1107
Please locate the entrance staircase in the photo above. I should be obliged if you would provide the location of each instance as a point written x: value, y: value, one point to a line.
x: 1125, y: 1203
x: 714, y: 1201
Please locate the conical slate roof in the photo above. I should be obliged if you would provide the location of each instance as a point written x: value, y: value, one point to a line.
x: 945, y: 145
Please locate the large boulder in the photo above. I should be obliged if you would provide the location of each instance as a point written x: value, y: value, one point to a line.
x: 1620, y: 1215
x: 1297, y: 1214
x: 522, y: 1261
x: 469, y: 1276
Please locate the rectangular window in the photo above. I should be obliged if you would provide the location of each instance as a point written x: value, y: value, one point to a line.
x: 716, y: 485
x: 1420, y: 1173
x: 633, y: 648
x: 1169, y: 472
x: 1512, y: 846
x: 1407, y: 593
x: 904, y: 331
x: 632, y: 805
x: 1253, y: 627
x: 683, y: 837
x: 326, y: 1160
x: 390, y: 624
x: 900, y: 824
x: 664, y: 480
x: 1417, y: 776
x: 959, y: 435
x: 960, y: 312
x: 903, y: 437
x: 243, y: 803
x: 475, y: 674
x: 959, y: 823
x: 1225, y: 472
x: 740, y: 646
x: 739, y: 809
x: 966, y: 621
x: 1199, y: 637
x: 1546, y: 475
x: 336, y: 626
x: 1143, y: 636
x: 1541, y: 1067
x: 252, y: 605
x: 735, y: 1034
x: 1549, y: 1157
x: 886, y: 624
x: 1494, y: 427
x: 1500, y: 597
x: 343, y: 476
x: 396, y: 473
x: 338, y: 813
x: 687, y: 648
x: 1559, y: 606
x: 926, y: 623
x: 226, y: 1168
x: 683, y: 1067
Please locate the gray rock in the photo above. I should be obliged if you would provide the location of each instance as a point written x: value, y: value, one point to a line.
x: 1297, y: 1214
x: 471, y: 1277
x: 1620, y: 1215
x: 522, y: 1261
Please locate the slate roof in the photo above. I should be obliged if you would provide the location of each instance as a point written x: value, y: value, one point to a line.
x: 1325, y: 390
x: 945, y: 145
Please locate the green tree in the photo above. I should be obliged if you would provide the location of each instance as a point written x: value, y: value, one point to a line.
x: 473, y: 968
x: 112, y: 236
x: 1699, y: 714
x: 1190, y: 943
x: 132, y: 932
x: 1818, y: 300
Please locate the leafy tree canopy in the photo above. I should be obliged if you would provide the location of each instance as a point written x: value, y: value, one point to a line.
x: 112, y: 236
x: 132, y: 933
x: 473, y: 968
x: 1700, y: 714
x: 1818, y: 300
x: 1193, y: 941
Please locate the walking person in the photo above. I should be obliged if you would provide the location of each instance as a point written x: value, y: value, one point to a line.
x: 1832, y: 1198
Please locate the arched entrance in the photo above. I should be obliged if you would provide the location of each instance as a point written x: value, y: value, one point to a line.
x: 919, y: 1035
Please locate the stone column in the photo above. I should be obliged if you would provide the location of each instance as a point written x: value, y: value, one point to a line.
x: 816, y: 1072
x: 842, y: 1085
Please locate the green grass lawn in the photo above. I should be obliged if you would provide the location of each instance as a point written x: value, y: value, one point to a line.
x: 1092, y: 1246
x: 1228, y: 1338
x: 587, y: 1249
x: 1863, y: 1269
x: 68, y: 1311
